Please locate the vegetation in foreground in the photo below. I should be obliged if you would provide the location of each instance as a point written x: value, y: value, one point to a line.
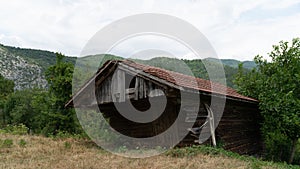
x: 30, y: 151
x: 274, y: 83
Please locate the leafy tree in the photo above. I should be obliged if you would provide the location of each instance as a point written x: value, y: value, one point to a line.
x: 59, y: 77
x: 6, y: 88
x: 276, y: 85
x: 27, y: 107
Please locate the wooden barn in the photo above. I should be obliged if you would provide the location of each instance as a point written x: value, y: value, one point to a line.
x: 121, y: 82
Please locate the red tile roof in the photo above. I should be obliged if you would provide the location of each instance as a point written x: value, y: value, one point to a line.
x: 187, y: 81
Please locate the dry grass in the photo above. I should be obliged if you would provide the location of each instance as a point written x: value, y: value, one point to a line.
x: 41, y: 152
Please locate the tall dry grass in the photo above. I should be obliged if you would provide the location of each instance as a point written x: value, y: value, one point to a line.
x: 41, y: 152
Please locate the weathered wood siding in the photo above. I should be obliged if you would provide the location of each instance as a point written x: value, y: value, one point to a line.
x: 237, y: 131
x: 122, y: 86
x: 239, y: 128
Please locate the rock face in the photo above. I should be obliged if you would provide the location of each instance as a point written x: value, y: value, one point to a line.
x: 25, y: 74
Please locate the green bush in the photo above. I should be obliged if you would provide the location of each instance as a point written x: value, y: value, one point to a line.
x: 95, y: 125
x: 64, y: 134
x: 122, y: 149
x: 7, y: 143
x: 22, y: 143
x: 207, y: 150
x: 198, y: 149
x: 277, y: 146
x: 297, y: 154
x: 19, y: 129
x: 67, y: 145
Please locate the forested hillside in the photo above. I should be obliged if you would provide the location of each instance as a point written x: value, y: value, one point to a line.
x: 42, y: 58
x: 26, y: 67
x: 40, y: 109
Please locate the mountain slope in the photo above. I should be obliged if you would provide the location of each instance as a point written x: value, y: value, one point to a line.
x: 195, y: 68
x: 42, y: 58
x: 26, y: 67
x: 234, y: 63
x: 22, y: 72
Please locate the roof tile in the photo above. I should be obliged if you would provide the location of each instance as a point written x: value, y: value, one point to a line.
x: 187, y: 81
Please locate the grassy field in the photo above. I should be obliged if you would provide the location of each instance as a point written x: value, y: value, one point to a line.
x: 24, y: 151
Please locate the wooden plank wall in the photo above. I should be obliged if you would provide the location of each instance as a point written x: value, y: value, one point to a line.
x: 116, y: 88
x: 142, y: 130
x: 238, y: 129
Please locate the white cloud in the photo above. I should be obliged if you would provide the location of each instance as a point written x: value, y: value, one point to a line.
x: 154, y: 45
x: 281, y: 4
x: 66, y: 26
x: 11, y: 40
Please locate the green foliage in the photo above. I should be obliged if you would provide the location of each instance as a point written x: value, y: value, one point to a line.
x: 41, y: 57
x: 95, y: 125
x: 45, y: 59
x: 248, y: 82
x: 22, y: 143
x: 297, y: 155
x: 277, y: 146
x: 59, y: 77
x: 199, y: 70
x: 196, y: 68
x: 67, y: 145
x: 19, y: 129
x: 26, y: 107
x: 43, y: 111
x: 233, y: 63
x: 6, y: 88
x: 6, y: 143
x: 64, y: 134
x: 87, y: 66
x: 199, y: 149
x: 207, y: 150
x: 122, y: 149
x: 276, y: 85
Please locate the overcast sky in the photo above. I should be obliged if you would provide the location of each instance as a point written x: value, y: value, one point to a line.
x: 237, y: 29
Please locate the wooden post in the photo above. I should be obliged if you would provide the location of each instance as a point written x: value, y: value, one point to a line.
x: 121, y: 85
x: 136, y: 88
x: 118, y: 88
x: 211, y: 124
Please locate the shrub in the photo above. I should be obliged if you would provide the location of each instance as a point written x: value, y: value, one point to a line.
x: 22, y: 143
x: 297, y: 154
x: 7, y: 143
x: 64, y: 134
x: 19, y: 129
x: 67, y: 145
x: 277, y: 146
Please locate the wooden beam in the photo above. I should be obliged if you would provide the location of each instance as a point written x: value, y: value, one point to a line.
x: 211, y: 124
x: 89, y: 82
x: 149, y: 77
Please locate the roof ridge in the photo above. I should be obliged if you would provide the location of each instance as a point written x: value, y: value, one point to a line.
x: 204, y: 83
x: 174, y: 72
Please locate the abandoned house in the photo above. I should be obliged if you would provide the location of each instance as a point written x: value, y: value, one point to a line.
x: 119, y: 82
